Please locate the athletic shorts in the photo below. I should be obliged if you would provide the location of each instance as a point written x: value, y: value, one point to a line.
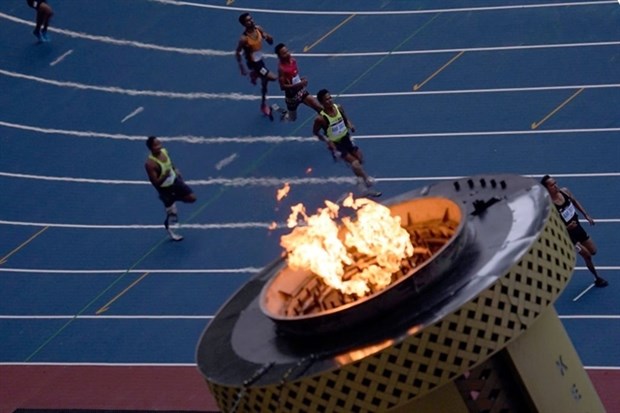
x: 346, y: 146
x: 35, y: 3
x: 292, y: 102
x: 578, y: 234
x: 258, y: 67
x: 175, y: 192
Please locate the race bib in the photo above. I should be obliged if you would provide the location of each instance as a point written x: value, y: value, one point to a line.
x: 296, y: 79
x: 339, y: 128
x: 568, y: 212
x: 257, y: 56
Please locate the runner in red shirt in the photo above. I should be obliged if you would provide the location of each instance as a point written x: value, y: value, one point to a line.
x: 293, y: 85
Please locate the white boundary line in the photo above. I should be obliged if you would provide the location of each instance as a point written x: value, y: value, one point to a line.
x: 280, y: 139
x: 517, y: 7
x: 245, y: 97
x: 215, y: 226
x: 230, y: 225
x: 273, y: 181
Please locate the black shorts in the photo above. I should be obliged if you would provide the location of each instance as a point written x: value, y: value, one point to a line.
x: 35, y: 3
x: 175, y: 192
x: 259, y: 68
x: 346, y: 146
x: 292, y: 102
x: 578, y: 234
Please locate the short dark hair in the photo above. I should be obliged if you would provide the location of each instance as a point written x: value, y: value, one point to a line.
x: 279, y: 47
x: 321, y: 95
x: 149, y: 141
x: 544, y: 180
x: 243, y: 17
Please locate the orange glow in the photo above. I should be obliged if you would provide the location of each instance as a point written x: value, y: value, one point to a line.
x: 283, y: 192
x: 272, y: 226
x: 373, y: 241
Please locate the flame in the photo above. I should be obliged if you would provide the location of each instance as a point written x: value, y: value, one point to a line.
x: 283, y: 192
x: 324, y: 248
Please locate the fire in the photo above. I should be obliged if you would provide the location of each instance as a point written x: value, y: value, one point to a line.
x: 373, y: 241
x: 283, y: 192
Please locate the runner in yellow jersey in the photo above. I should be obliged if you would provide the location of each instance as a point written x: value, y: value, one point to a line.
x: 167, y: 179
x: 251, y: 44
x: 333, y: 127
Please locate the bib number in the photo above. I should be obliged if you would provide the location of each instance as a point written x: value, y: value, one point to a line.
x: 568, y: 212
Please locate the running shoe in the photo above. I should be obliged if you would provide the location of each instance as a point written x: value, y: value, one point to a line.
x: 371, y: 193
x: 600, y: 282
x: 174, y: 236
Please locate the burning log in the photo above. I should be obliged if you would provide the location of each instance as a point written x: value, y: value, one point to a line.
x: 314, y: 295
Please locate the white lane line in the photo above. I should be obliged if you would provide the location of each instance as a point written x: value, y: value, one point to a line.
x: 61, y: 58
x: 216, y: 226
x: 244, y: 97
x: 216, y: 271
x: 235, y: 182
x: 302, y: 139
x: 272, y: 181
x: 230, y: 225
x: 132, y: 114
x: 583, y: 292
x: 132, y: 92
x: 517, y: 7
x: 226, y: 161
x: 183, y: 138
x: 589, y: 317
x: 212, y: 52
x: 122, y: 42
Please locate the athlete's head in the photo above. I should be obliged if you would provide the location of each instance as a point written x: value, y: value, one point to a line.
x: 282, y: 51
x: 153, y: 144
x: 324, y: 97
x: 246, y: 20
x: 549, y: 183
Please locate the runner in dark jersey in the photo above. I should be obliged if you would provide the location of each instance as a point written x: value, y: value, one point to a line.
x: 567, y: 205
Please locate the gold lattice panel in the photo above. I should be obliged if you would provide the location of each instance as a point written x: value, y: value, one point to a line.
x: 434, y: 356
